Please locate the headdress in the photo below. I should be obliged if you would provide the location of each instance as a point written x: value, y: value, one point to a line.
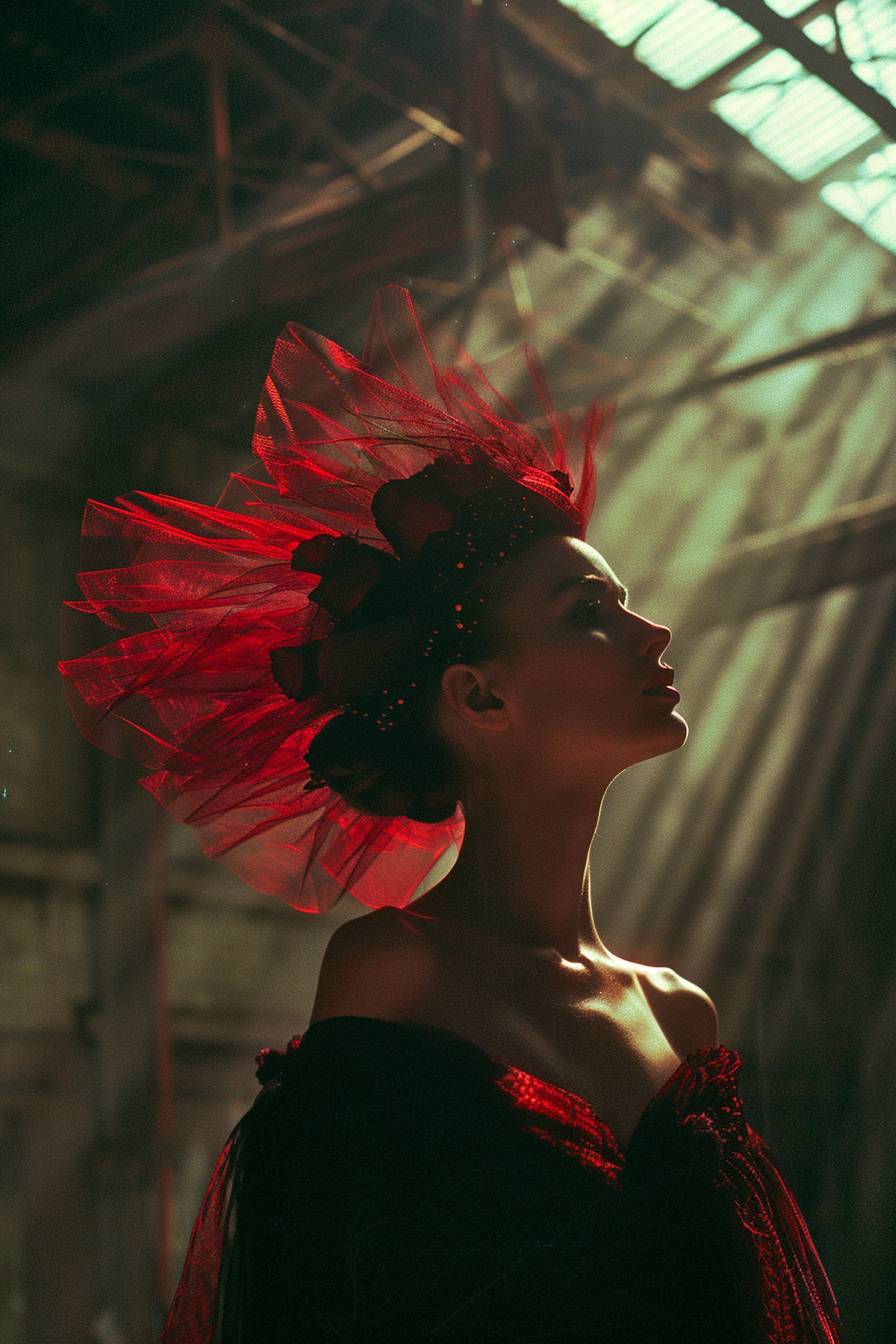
x: 328, y: 586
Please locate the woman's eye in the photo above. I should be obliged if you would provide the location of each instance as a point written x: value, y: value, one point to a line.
x: 587, y: 609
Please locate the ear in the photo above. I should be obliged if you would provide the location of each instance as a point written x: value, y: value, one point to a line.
x: 468, y: 694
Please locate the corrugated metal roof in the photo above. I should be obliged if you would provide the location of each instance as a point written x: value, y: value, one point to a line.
x: 797, y: 120
x: 683, y: 41
x: 868, y: 198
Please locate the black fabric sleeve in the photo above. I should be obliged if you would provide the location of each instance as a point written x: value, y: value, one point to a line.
x: 396, y: 1197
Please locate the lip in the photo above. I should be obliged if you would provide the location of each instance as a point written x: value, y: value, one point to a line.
x: 662, y: 681
x: 665, y: 692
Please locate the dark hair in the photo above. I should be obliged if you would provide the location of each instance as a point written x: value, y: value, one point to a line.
x: 406, y: 770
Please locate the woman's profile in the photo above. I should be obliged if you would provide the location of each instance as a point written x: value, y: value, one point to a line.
x: 505, y: 950
x: 399, y: 644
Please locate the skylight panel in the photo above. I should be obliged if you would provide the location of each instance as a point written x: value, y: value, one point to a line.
x: 869, y: 197
x: 693, y: 39
x: 683, y: 41
x: 797, y: 120
x: 622, y: 23
x: 868, y: 30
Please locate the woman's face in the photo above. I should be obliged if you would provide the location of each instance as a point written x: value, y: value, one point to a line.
x: 576, y: 660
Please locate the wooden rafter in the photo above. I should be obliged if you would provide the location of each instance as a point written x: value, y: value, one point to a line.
x: 438, y: 126
x: 360, y: 40
x: 301, y: 111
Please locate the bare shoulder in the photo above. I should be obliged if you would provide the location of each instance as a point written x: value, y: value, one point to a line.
x: 371, y: 968
x: 686, y: 1013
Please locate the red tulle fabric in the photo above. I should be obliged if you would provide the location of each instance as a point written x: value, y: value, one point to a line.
x: 496, y: 1201
x: 198, y: 596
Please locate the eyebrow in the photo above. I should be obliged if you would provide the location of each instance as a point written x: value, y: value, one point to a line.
x: 577, y: 580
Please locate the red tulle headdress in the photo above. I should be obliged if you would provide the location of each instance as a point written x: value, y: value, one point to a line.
x: 391, y: 484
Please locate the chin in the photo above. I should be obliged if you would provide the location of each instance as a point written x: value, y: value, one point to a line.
x: 677, y: 732
x: 668, y: 736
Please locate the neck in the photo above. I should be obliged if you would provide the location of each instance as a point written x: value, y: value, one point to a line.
x: 524, y: 875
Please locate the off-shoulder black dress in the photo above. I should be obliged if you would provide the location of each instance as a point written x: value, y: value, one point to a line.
x: 393, y: 1182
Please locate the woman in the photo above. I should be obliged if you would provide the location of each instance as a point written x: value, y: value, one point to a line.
x: 504, y: 950
x: 493, y: 1127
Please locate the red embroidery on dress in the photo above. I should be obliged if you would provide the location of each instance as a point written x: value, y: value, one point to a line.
x: 584, y: 1153
x: 588, y: 1138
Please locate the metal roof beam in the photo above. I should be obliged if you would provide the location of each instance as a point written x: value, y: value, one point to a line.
x: 854, y: 544
x: 872, y: 329
x: 834, y: 70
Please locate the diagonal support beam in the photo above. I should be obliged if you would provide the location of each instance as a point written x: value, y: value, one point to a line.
x: 427, y: 120
x: 340, y: 77
x: 834, y: 70
x: 842, y: 338
x: 296, y: 107
x: 854, y: 544
x: 222, y: 154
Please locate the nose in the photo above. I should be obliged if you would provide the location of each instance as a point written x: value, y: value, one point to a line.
x: 656, y: 638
